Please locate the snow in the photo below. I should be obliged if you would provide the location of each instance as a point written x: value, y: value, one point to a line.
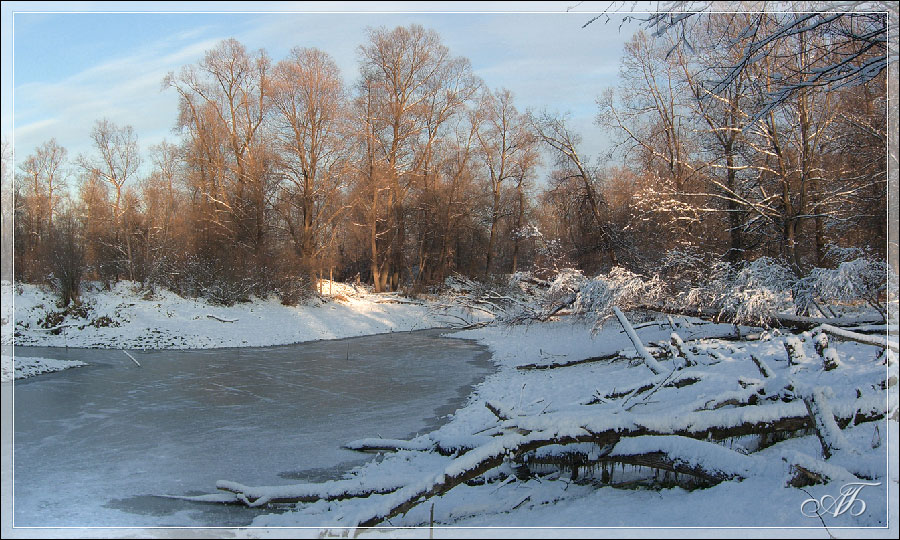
x: 127, y: 318
x: 551, y: 402
x: 27, y: 366
x: 571, y: 401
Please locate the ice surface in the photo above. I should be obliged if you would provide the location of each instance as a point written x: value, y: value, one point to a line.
x: 92, y: 444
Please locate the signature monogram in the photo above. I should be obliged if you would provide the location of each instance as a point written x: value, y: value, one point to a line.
x: 847, y: 501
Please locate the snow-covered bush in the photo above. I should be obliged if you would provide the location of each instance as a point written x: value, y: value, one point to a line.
x: 618, y: 288
x: 683, y: 267
x: 861, y: 280
x: 565, y: 286
x: 749, y: 293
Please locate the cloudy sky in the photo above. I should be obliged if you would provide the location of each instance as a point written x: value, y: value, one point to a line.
x: 66, y: 65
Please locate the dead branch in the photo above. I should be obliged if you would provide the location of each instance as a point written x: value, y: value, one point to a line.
x: 822, y: 420
x: 649, y: 361
x: 780, y: 320
x: 602, y: 358
x: 495, y: 410
x: 334, y: 490
x: 515, y: 445
x: 763, y: 368
x: 211, y: 316
x: 375, y: 445
x: 878, y: 341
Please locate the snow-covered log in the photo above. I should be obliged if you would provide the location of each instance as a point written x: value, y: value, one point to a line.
x: 689, y: 357
x: 303, y: 493
x: 794, y: 348
x: 373, y: 444
x: 649, y: 361
x: 533, y: 433
x: 763, y: 368
x: 829, y: 433
x: 699, y: 425
x: 808, y: 470
x: 878, y: 341
x: 554, y: 365
x: 782, y: 320
x: 707, y: 462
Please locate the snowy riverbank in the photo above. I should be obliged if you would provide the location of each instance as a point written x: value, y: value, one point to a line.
x: 26, y: 366
x: 545, y: 390
x: 589, y: 397
x: 128, y: 319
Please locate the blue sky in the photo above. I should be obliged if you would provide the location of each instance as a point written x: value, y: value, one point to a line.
x: 72, y: 68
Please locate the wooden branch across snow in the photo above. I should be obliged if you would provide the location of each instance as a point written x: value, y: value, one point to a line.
x: 779, y: 319
x: 334, y: 490
x: 220, y: 319
x: 642, y: 440
x: 373, y: 445
x: 822, y: 419
x: 602, y: 358
x: 878, y: 341
x: 703, y: 425
x: 649, y: 361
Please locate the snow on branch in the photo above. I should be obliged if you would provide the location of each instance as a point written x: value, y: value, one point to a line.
x: 649, y: 361
x: 220, y: 319
x: 878, y: 341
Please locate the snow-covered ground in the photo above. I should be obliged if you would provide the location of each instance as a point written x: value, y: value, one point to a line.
x: 564, y: 401
x: 125, y: 318
x: 585, y: 398
x: 29, y: 366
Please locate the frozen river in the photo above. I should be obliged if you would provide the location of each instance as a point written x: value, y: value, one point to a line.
x: 95, y: 445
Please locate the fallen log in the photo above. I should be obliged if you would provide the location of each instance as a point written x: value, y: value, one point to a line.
x: 602, y: 358
x: 821, y: 417
x: 847, y: 335
x: 334, y: 490
x: 649, y: 361
x: 674, y: 454
x: 533, y: 433
x: 684, y: 379
x: 782, y: 320
x: 733, y: 423
x: 376, y: 445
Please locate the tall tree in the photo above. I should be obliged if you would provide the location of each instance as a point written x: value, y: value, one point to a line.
x: 308, y: 93
x: 508, y: 150
x: 116, y: 162
x: 403, y: 71
x: 225, y: 99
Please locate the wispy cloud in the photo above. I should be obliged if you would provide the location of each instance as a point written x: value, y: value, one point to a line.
x: 126, y: 89
x: 547, y: 60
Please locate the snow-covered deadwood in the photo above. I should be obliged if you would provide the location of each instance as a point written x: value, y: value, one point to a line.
x: 692, y: 438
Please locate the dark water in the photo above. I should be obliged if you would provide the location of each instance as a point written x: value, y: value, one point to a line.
x: 95, y: 445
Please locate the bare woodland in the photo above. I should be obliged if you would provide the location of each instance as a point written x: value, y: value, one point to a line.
x: 415, y: 169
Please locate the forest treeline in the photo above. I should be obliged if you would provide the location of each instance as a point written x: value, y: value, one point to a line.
x: 283, y: 172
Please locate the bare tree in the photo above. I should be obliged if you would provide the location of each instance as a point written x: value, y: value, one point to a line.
x: 508, y: 150
x: 117, y: 160
x: 557, y: 135
x: 309, y: 96
x: 44, y: 171
x: 857, y: 31
x: 225, y: 99
x: 404, y: 73
x: 41, y: 180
